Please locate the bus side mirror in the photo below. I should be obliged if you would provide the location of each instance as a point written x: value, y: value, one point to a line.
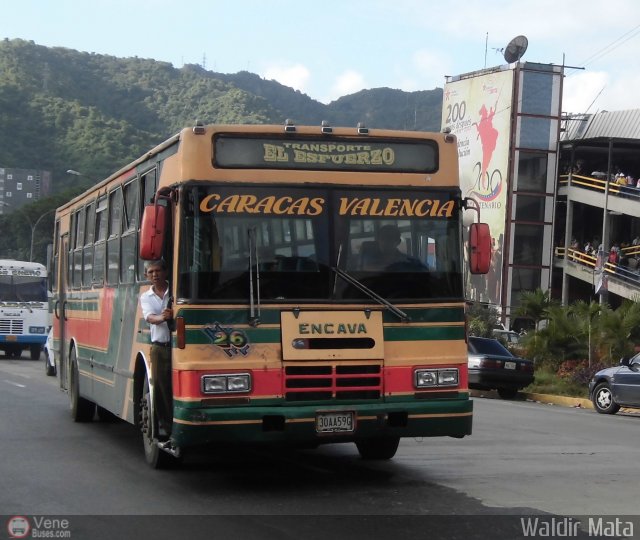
x: 152, y: 231
x: 479, y: 248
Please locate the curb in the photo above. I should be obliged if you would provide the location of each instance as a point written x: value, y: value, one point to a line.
x: 564, y: 401
x: 549, y: 399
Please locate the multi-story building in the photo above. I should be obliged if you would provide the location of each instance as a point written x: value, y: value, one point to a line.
x: 507, y: 121
x: 22, y: 186
x: 598, y: 209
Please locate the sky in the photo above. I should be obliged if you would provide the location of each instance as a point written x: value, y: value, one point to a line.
x: 331, y: 48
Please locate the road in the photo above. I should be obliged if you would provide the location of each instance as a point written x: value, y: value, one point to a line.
x: 523, y: 459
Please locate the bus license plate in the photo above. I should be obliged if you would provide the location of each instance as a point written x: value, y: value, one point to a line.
x: 335, y: 422
x: 509, y: 365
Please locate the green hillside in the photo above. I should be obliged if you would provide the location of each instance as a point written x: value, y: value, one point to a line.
x: 64, y: 109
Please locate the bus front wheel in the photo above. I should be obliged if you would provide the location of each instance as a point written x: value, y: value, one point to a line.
x: 82, y: 410
x: 379, y: 448
x: 154, y: 456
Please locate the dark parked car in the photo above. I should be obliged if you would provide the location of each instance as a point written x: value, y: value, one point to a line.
x: 617, y: 386
x: 492, y: 366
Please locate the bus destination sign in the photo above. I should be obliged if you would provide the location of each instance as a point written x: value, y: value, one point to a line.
x: 326, y: 154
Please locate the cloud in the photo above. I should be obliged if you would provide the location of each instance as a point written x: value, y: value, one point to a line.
x: 431, y: 67
x: 296, y: 76
x: 581, y: 89
x: 348, y: 82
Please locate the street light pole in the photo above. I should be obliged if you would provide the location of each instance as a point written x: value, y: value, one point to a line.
x: 33, y: 231
x: 31, y: 224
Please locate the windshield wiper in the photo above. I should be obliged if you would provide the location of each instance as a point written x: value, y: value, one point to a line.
x: 366, y: 290
x: 254, y: 319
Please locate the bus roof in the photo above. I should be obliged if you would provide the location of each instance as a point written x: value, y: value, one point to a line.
x: 11, y: 265
x: 270, y: 129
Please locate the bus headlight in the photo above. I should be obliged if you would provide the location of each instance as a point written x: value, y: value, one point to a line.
x: 226, y: 383
x: 426, y: 377
x: 429, y: 378
x: 448, y: 377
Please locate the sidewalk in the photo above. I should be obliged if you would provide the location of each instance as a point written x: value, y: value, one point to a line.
x: 549, y: 399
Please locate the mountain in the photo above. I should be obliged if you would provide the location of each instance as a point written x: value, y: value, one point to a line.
x: 64, y: 109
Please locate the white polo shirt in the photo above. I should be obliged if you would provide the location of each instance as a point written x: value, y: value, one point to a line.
x: 152, y: 304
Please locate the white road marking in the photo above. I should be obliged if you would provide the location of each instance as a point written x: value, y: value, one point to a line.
x: 15, y: 384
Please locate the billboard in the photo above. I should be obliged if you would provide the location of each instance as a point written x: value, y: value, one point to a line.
x: 478, y: 110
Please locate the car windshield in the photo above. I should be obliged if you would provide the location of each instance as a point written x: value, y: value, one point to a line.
x: 487, y: 346
x: 286, y: 243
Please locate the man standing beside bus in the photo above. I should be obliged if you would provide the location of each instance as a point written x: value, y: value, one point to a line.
x: 156, y: 311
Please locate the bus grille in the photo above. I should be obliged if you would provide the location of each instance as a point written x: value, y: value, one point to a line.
x: 11, y: 326
x: 321, y: 383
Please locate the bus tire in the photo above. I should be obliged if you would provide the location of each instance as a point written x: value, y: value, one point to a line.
x: 35, y: 351
x: 82, y: 410
x: 378, y: 448
x: 154, y: 456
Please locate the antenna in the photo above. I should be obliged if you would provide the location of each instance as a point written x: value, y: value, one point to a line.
x: 516, y: 48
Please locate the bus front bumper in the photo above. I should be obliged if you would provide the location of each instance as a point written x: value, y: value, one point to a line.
x: 299, y: 424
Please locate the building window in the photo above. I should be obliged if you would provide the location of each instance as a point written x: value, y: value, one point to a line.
x: 532, y: 172
x: 538, y: 133
x: 527, y: 247
x: 8, y: 194
x: 30, y: 177
x: 537, y: 93
x: 530, y: 208
x: 29, y: 195
x: 9, y: 177
x: 19, y: 186
x: 524, y: 279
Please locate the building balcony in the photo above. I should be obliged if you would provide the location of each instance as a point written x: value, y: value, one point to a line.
x: 621, y: 279
x: 592, y: 191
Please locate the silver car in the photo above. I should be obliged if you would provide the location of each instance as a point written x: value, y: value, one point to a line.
x: 617, y: 386
x: 49, y: 360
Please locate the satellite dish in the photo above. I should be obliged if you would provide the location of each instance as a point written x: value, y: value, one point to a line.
x: 516, y: 48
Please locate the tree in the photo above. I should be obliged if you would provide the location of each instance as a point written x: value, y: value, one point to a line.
x: 481, y: 319
x: 535, y: 305
x: 619, y: 331
x: 586, y: 314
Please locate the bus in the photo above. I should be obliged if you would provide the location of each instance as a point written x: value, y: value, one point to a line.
x: 24, y: 308
x: 284, y: 331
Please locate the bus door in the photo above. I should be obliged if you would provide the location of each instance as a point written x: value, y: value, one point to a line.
x: 61, y: 310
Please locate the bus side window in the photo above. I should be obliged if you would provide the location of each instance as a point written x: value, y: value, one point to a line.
x: 55, y: 263
x: 128, y: 252
x: 148, y: 189
x: 100, y: 244
x: 89, y: 235
x: 69, y: 268
x: 113, y: 243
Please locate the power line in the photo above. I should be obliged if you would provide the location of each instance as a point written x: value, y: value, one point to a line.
x: 613, y: 45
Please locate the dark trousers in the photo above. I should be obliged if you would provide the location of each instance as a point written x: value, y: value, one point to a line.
x: 162, y: 388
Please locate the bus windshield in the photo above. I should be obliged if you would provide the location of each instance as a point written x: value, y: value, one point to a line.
x: 14, y: 288
x: 286, y: 243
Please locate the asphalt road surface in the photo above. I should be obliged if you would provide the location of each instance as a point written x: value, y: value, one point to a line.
x: 523, y: 459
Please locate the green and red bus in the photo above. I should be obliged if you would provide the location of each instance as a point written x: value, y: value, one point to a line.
x: 284, y: 331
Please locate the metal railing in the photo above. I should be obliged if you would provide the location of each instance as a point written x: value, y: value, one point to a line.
x: 629, y: 273
x: 600, y: 184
